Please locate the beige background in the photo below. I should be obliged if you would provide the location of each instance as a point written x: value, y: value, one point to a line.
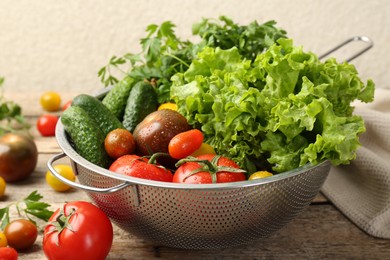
x: 61, y: 45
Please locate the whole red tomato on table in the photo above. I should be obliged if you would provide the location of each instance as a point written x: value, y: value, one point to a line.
x: 79, y: 230
x: 46, y: 124
x: 208, y: 168
x: 8, y: 253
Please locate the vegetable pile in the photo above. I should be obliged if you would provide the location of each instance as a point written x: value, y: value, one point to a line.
x: 257, y: 100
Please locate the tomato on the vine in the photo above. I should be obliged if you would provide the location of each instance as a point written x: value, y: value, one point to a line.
x: 79, y: 230
x: 185, y: 143
x: 119, y: 142
x: 208, y: 168
x: 46, y: 124
x: 21, y: 233
x: 50, y: 101
x: 8, y: 253
x: 65, y: 171
x: 140, y: 167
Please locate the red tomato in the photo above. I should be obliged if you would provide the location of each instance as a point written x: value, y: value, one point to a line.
x: 8, y: 253
x: 66, y: 105
x: 46, y: 125
x: 119, y: 142
x: 219, y: 170
x: 140, y: 167
x: 21, y: 234
x: 185, y: 143
x: 84, y: 232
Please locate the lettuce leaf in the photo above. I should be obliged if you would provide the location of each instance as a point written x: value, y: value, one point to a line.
x: 282, y: 110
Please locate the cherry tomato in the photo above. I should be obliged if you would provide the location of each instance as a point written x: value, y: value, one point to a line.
x: 3, y: 240
x: 50, y: 101
x: 2, y: 186
x: 259, y: 175
x: 119, y: 142
x: 18, y: 157
x: 168, y: 105
x: 83, y: 231
x: 65, y: 171
x: 140, y: 167
x: 66, y: 105
x: 185, y: 143
x: 46, y: 125
x: 21, y: 233
x: 219, y: 170
x: 8, y: 253
x: 204, y: 149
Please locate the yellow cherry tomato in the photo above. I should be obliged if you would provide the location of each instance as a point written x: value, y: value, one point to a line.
x: 2, y: 186
x: 204, y: 149
x: 259, y: 175
x: 50, y: 101
x: 65, y: 171
x: 3, y: 240
x: 168, y: 105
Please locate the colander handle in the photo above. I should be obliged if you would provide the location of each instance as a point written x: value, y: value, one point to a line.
x: 368, y: 42
x: 81, y: 186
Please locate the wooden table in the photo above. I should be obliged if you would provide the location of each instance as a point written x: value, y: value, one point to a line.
x: 320, y: 232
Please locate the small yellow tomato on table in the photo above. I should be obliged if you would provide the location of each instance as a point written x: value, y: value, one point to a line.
x: 65, y: 171
x: 50, y: 101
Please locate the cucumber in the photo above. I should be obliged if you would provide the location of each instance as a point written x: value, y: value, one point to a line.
x: 141, y: 102
x: 116, y: 99
x: 98, y: 112
x: 86, y: 136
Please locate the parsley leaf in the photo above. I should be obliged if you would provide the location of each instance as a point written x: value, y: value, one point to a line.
x: 164, y: 54
x: 11, y: 118
x: 30, y: 207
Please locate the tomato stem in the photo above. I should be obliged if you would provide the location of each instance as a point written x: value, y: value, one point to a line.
x: 208, y: 166
x: 61, y: 223
x: 155, y: 156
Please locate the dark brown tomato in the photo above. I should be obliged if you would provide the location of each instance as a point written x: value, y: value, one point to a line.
x: 153, y: 134
x: 18, y: 157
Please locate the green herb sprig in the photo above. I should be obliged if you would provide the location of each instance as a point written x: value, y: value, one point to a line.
x: 164, y: 54
x: 11, y: 117
x: 30, y: 207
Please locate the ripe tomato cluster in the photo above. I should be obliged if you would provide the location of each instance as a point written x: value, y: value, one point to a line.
x: 182, y: 157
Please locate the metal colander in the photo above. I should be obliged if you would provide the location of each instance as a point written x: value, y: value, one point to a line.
x: 194, y: 216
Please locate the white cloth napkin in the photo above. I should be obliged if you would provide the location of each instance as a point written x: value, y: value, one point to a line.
x: 361, y: 190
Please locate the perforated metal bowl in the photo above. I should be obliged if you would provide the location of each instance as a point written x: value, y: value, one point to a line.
x: 194, y: 216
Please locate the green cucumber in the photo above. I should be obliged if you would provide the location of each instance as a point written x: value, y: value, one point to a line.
x: 98, y: 112
x: 115, y: 100
x: 141, y: 102
x: 86, y: 136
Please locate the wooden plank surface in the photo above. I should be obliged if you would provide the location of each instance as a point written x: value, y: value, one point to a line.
x: 320, y: 232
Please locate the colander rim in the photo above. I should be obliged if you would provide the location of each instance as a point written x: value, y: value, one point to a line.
x: 69, y: 151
